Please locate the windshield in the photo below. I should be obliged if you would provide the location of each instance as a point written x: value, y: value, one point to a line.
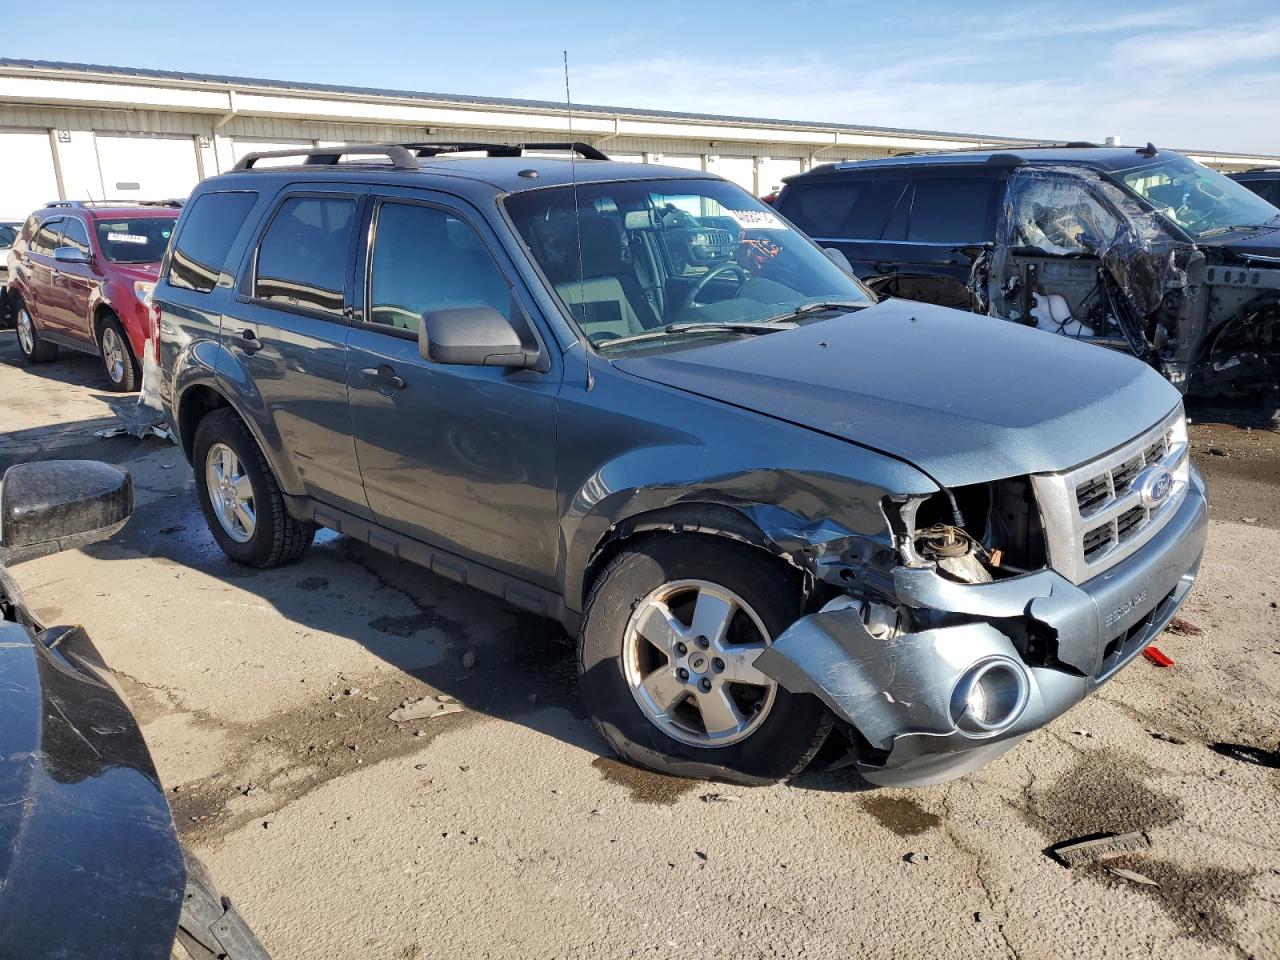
x: 653, y: 253
x: 134, y: 240
x: 9, y: 233
x: 1201, y: 201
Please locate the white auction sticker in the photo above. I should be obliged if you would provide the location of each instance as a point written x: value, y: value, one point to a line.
x: 126, y: 238
x: 756, y: 220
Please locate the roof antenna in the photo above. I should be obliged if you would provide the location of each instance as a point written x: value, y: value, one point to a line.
x: 577, y: 218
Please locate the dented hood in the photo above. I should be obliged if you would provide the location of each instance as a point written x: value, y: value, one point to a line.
x: 965, y: 398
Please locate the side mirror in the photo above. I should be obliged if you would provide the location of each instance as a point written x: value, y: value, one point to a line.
x: 59, y: 504
x: 473, y: 335
x: 70, y: 255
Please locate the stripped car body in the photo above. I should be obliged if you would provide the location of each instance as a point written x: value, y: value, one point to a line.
x: 1140, y: 250
x: 680, y: 363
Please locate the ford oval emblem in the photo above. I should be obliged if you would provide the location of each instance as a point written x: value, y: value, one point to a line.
x: 1153, y: 485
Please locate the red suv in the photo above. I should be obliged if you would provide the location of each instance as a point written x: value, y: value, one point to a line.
x: 79, y: 274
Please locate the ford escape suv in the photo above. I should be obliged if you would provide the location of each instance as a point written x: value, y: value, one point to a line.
x: 78, y: 277
x: 1144, y: 250
x: 636, y: 400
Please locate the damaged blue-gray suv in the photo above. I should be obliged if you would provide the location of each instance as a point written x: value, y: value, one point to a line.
x: 636, y: 400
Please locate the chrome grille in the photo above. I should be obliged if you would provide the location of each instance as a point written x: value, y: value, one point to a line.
x: 1093, y: 515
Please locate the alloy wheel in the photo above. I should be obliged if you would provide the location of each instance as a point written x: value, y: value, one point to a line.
x: 114, y: 355
x: 688, y: 655
x: 26, y: 333
x: 230, y: 493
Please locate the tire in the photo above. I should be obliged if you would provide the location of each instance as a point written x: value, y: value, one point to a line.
x: 777, y: 741
x: 274, y: 537
x: 35, y: 349
x: 118, y: 361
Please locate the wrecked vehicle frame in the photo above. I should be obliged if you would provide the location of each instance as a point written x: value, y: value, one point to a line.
x: 1142, y: 250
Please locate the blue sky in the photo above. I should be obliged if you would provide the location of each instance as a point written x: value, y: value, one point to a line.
x: 1203, y: 75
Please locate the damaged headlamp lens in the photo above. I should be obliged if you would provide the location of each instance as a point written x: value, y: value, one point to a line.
x: 989, y: 697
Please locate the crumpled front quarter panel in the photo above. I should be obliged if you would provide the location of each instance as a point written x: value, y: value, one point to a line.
x: 628, y: 447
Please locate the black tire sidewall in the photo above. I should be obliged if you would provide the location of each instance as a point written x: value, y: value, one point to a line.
x: 797, y: 723
x: 222, y: 426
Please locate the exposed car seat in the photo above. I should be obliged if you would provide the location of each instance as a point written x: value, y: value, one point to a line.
x: 608, y: 299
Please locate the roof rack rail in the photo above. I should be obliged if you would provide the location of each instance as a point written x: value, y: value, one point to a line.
x: 400, y: 158
x: 1007, y: 146
x: 404, y: 156
x: 175, y: 202
x: 1261, y: 170
x: 584, y: 150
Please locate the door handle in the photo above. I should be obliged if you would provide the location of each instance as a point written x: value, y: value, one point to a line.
x: 383, y: 378
x: 247, y: 341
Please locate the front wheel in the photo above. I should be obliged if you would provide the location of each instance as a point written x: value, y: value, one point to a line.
x: 117, y: 357
x: 35, y: 349
x: 669, y: 640
x: 240, y: 498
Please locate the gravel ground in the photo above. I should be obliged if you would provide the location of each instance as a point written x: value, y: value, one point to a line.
x: 505, y: 830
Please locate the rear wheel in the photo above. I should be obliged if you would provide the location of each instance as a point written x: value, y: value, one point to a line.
x: 117, y: 356
x: 669, y: 639
x: 35, y: 349
x: 240, y: 498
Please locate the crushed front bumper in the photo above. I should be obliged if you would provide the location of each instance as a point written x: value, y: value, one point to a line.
x: 901, y: 693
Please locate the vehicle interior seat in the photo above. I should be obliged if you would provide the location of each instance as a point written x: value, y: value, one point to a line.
x: 608, y: 299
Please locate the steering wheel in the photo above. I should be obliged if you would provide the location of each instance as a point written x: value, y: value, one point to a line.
x: 710, y: 275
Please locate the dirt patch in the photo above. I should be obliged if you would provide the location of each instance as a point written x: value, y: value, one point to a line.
x: 645, y: 786
x: 313, y: 584
x: 904, y: 817
x: 1196, y: 900
x: 1241, y: 465
x: 1102, y: 793
x: 272, y: 763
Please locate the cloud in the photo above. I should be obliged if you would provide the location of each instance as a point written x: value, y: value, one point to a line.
x: 1201, y: 88
x: 1191, y: 52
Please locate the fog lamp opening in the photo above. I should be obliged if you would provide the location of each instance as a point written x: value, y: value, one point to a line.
x: 989, y: 697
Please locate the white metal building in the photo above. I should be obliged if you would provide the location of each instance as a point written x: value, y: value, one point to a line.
x: 78, y: 131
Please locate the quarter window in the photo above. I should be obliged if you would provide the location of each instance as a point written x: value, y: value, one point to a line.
x: 210, y: 227
x: 302, y: 259
x: 425, y: 259
x: 847, y: 210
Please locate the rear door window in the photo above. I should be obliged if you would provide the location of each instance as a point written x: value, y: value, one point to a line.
x: 425, y: 258
x: 75, y: 235
x: 210, y: 227
x: 304, y: 254
x: 46, y: 238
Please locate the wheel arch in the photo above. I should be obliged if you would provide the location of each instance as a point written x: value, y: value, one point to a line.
x: 705, y: 518
x: 200, y: 398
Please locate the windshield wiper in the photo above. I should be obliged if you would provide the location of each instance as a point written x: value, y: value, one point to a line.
x: 823, y: 307
x: 1236, y: 226
x: 701, y: 326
